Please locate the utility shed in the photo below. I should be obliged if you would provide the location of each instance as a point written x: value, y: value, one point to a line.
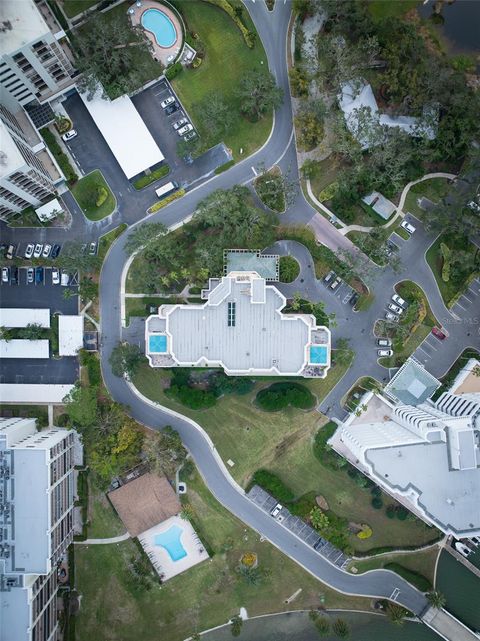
x: 70, y: 335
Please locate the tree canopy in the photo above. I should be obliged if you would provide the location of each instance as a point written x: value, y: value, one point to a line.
x: 259, y: 94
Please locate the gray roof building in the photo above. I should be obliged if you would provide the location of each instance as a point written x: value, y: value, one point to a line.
x: 244, y: 260
x: 412, y: 384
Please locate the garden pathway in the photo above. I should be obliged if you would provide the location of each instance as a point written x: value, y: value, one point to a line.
x: 113, y: 539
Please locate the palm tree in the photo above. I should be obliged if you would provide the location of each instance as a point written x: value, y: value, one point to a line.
x: 341, y: 629
x: 436, y: 599
x: 322, y: 624
x: 236, y: 623
x: 396, y: 613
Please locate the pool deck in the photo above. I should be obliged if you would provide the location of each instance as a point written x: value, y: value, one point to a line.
x: 160, y: 558
x: 162, y: 54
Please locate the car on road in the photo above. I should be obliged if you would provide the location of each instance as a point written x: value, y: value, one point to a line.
x: 190, y: 136
x: 46, y: 251
x: 438, y: 333
x: 38, y: 250
x: 5, y: 274
x: 395, y: 308
x: 399, y: 300
x: 29, y: 250
x: 185, y: 129
x: 384, y: 342
x: 408, y: 227
x: 179, y: 123
x: 385, y: 352
x: 391, y: 317
x: 30, y: 275
x: 55, y: 251
x: 38, y: 275
x: 55, y: 276
x: 336, y: 283
x: 69, y: 135
x: 276, y: 510
x: 167, y: 101
x: 92, y: 249
x: 171, y: 109
x: 11, y: 251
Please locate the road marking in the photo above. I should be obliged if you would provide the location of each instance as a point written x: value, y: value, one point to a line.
x: 464, y: 309
x: 254, y: 171
x: 424, y: 351
x: 432, y: 346
x: 394, y: 595
x: 465, y: 296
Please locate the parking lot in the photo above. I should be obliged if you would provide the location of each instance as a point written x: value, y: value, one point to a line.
x: 342, y: 290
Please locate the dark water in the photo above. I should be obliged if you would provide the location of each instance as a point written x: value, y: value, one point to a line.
x: 298, y: 627
x: 461, y: 26
x: 461, y: 589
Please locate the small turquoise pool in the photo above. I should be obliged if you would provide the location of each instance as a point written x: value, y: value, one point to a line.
x: 319, y: 354
x: 170, y: 541
x: 161, y: 26
x: 157, y: 343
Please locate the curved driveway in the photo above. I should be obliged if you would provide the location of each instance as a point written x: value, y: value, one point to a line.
x: 272, y: 28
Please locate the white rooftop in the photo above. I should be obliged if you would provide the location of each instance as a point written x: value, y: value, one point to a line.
x: 26, y: 23
x: 70, y: 335
x: 11, y: 159
x: 125, y: 132
x: 49, y: 211
x: 21, y: 317
x: 20, y: 348
x: 33, y: 393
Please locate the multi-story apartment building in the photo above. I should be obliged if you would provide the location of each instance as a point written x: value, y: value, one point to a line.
x: 36, y: 525
x: 36, y: 67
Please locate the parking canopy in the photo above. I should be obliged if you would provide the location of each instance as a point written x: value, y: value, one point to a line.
x: 19, y: 317
x: 20, y: 348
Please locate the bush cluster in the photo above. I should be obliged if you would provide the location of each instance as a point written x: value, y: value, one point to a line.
x: 60, y: 157
x: 183, y: 389
x: 166, y: 201
x: 281, y: 395
x: 173, y: 71
x: 224, y: 167
x: 148, y: 179
x: 272, y: 484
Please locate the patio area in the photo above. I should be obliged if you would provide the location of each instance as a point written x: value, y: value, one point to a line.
x: 164, y: 54
x: 188, y: 550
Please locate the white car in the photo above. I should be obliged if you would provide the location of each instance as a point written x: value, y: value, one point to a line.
x: 385, y: 352
x: 180, y: 123
x: 391, y: 317
x: 399, y: 301
x: 29, y: 250
x: 46, y: 251
x: 38, y: 250
x: 408, y: 227
x: 64, y: 278
x: 395, y: 308
x: 474, y: 206
x: 5, y: 274
x: 167, y: 101
x: 276, y: 510
x: 384, y: 342
x: 55, y: 276
x: 184, y: 130
x: 69, y: 135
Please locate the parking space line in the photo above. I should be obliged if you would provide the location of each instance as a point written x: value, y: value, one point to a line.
x: 433, y: 346
x: 457, y: 303
x: 254, y: 171
x: 424, y: 351
x: 465, y: 296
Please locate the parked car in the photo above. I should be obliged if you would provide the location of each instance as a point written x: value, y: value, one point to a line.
x: 46, y: 251
x: 331, y: 274
x: 38, y: 250
x: 64, y: 278
x: 38, y: 275
x: 55, y: 251
x: 474, y: 206
x: 171, y: 109
x: 385, y: 352
x: 185, y: 129
x: 399, y: 301
x: 180, y: 123
x: 395, y: 308
x: 69, y: 135
x: 336, y: 283
x: 408, y: 227
x: 3, y: 248
x: 30, y: 275
x: 92, y: 250
x: 353, y: 300
x: 11, y: 251
x: 167, y: 101
x: 391, y: 317
x: 438, y: 333
x: 384, y: 342
x: 14, y: 275
x: 29, y: 250
x: 276, y: 510
x: 55, y: 276
x: 190, y: 136
x: 5, y: 274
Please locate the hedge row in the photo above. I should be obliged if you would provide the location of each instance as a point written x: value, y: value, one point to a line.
x: 59, y: 155
x: 281, y: 395
x: 272, y: 484
x: 418, y: 580
x: 173, y: 71
x: 148, y: 179
x: 166, y: 201
x: 224, y: 167
x: 248, y: 36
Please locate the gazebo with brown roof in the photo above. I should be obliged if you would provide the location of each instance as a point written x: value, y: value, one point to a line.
x: 144, y: 502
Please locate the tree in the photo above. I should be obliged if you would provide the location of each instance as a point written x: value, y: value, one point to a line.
x: 259, y: 94
x: 32, y: 332
x: 341, y: 628
x: 436, y: 599
x: 252, y: 576
x: 215, y: 114
x: 88, y: 289
x: 236, y: 623
x: 319, y: 519
x: 322, y: 625
x: 395, y: 613
x: 142, y: 235
x: 309, y: 128
x: 165, y: 451
x: 81, y: 406
x: 125, y: 359
x: 6, y: 334
x: 187, y: 513
x: 74, y: 257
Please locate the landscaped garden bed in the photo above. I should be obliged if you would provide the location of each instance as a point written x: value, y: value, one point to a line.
x: 94, y: 196
x: 270, y: 189
x: 289, y: 269
x: 153, y: 176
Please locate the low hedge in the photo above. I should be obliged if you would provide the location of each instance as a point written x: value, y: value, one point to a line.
x: 224, y: 167
x: 272, y: 484
x: 280, y: 395
x: 418, y: 580
x: 166, y: 201
x: 59, y: 156
x: 248, y: 36
x: 173, y: 71
x: 148, y: 179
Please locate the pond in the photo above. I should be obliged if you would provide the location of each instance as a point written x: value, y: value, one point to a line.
x: 296, y: 626
x: 461, y: 24
x: 461, y: 589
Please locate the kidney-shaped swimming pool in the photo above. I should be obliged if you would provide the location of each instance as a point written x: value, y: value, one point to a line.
x: 161, y: 26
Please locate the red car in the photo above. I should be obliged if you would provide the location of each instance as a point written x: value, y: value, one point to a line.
x: 438, y: 333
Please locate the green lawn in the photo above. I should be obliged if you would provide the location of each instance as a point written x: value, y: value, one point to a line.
x: 434, y: 189
x: 74, y: 7
x: 103, y: 522
x: 202, y: 597
x: 226, y: 60
x: 85, y: 194
x: 138, y: 306
x: 325, y: 173
x: 390, y: 8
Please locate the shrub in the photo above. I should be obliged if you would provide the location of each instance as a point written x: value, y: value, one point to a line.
x: 376, y: 491
x: 366, y: 532
x: 197, y: 61
x: 377, y: 503
x: 249, y: 559
x: 166, y: 201
x: 329, y: 192
x: 281, y: 395
x: 224, y: 167
x: 272, y: 484
x: 446, y: 254
x: 390, y: 511
x: 401, y: 513
x: 148, y: 179
x: 102, y: 195
x: 173, y: 71
x: 191, y: 397
x: 289, y: 269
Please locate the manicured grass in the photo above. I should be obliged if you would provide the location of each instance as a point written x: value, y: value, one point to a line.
x: 434, y: 259
x: 113, y: 609
x: 434, y: 189
x: 82, y: 191
x: 106, y: 240
x: 325, y: 173
x: 148, y: 179
x: 138, y: 306
x: 225, y: 50
x: 390, y: 8
x: 103, y: 522
x: 74, y: 7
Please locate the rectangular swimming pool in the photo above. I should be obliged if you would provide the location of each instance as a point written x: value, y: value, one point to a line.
x: 319, y: 354
x: 157, y: 343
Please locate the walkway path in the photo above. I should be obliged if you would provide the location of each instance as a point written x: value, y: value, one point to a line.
x: 113, y: 539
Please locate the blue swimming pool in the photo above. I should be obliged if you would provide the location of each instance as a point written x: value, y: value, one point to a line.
x: 161, y: 26
x: 319, y: 354
x: 170, y: 541
x: 157, y: 343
